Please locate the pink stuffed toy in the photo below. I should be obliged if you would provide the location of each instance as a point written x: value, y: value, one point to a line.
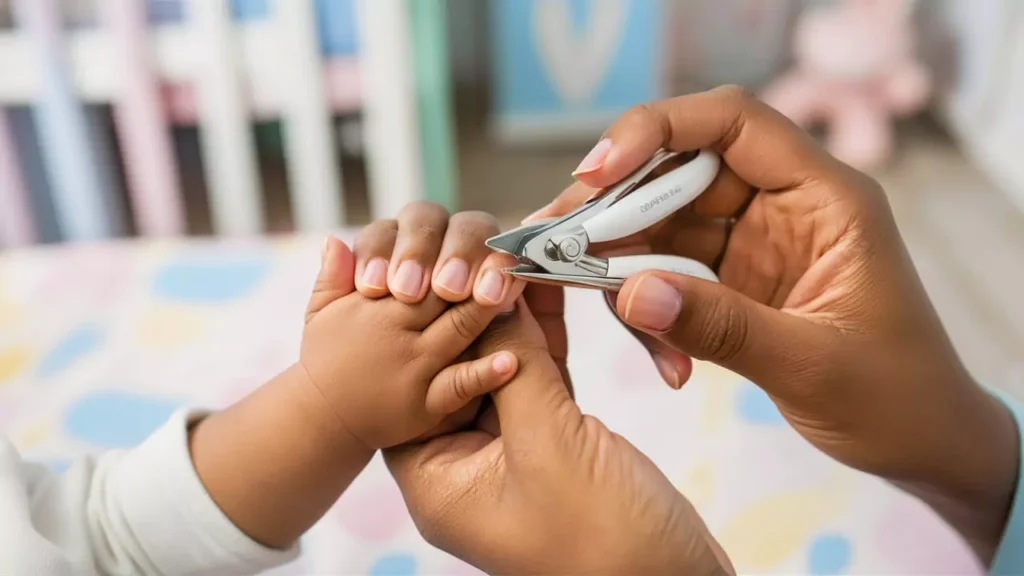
x: 855, y: 70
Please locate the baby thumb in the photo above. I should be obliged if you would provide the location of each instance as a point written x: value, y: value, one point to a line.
x: 336, y: 278
x: 712, y: 322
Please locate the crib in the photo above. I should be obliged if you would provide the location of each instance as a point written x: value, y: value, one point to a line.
x: 318, y: 67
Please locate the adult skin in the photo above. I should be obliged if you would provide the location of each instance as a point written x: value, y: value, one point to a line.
x: 537, y: 487
x: 819, y: 304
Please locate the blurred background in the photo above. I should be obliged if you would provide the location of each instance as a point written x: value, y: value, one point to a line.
x: 133, y: 132
x: 171, y: 117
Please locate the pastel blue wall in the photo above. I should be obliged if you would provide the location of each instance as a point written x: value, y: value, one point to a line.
x: 522, y: 84
x: 336, y: 24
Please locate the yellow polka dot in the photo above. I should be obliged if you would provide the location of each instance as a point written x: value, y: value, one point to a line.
x: 291, y: 244
x: 765, y: 534
x: 714, y: 374
x: 169, y: 327
x: 719, y: 388
x: 699, y: 486
x: 156, y: 250
x: 32, y: 436
x: 10, y: 316
x: 13, y: 362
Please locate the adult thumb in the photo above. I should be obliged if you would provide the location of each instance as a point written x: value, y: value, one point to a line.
x: 713, y: 322
x: 535, y: 405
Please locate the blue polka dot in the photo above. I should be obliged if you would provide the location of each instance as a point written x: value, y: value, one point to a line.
x: 210, y: 281
x: 830, y: 554
x: 394, y: 565
x: 76, y: 344
x: 756, y: 407
x: 116, y: 419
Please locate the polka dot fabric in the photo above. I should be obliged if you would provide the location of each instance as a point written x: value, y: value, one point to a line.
x: 100, y: 343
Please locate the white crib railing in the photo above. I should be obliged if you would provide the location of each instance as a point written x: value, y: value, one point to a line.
x: 220, y: 73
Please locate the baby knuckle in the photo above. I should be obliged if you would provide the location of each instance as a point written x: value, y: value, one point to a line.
x: 471, y: 226
x: 376, y: 231
x: 428, y: 231
x: 422, y: 209
x: 465, y: 323
x: 427, y: 220
x: 476, y: 218
x: 465, y: 382
x: 723, y: 334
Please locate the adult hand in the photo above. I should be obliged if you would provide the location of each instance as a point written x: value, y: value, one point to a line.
x: 819, y: 304
x: 556, y: 492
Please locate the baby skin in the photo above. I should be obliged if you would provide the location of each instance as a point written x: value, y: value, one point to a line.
x: 388, y: 356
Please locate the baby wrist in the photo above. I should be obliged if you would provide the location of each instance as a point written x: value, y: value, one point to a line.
x: 330, y: 427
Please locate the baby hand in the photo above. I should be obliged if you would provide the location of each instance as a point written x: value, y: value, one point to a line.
x: 393, y: 368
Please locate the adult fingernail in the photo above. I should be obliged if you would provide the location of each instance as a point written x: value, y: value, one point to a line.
x: 668, y: 371
x: 491, y: 286
x: 654, y: 304
x: 595, y: 158
x: 454, y: 276
x: 409, y: 278
x: 323, y: 251
x: 376, y: 274
x: 502, y: 363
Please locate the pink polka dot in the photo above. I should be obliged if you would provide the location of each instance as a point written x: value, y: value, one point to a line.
x: 6, y: 415
x: 459, y: 568
x: 917, y: 542
x: 376, y: 513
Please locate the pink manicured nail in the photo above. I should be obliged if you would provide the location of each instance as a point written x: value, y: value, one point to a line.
x: 595, y: 158
x: 408, y: 279
x: 667, y: 371
x: 323, y: 251
x: 491, y: 286
x: 376, y: 274
x: 502, y: 363
x: 454, y: 276
x: 653, y: 305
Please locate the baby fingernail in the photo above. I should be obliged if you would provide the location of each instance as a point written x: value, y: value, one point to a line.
x: 454, y: 276
x: 376, y: 274
x: 502, y: 363
x: 595, y: 158
x: 409, y: 278
x: 491, y: 286
x: 667, y: 371
x: 654, y: 304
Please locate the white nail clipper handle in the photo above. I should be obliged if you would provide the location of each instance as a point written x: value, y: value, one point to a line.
x: 649, y: 205
x: 626, y: 266
x: 655, y: 201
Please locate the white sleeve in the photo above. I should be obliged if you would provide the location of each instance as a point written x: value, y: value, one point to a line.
x: 140, y: 511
